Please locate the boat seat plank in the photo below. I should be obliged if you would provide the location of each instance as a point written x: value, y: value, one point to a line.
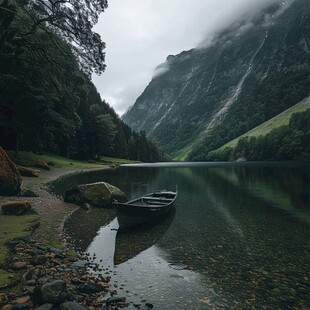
x: 157, y: 198
x: 157, y: 203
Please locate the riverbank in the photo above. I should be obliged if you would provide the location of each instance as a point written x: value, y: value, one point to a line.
x: 43, y: 257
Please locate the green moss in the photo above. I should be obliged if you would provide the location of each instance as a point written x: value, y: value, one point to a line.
x: 12, y: 227
x: 5, y: 278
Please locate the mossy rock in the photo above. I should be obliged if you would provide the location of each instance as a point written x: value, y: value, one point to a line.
x: 28, y: 172
x: 15, y: 207
x: 42, y: 164
x: 100, y: 194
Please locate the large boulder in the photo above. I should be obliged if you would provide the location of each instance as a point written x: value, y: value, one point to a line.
x: 10, y: 179
x: 15, y: 207
x: 54, y: 292
x: 100, y: 194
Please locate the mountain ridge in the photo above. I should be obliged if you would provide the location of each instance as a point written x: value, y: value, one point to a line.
x: 205, y: 97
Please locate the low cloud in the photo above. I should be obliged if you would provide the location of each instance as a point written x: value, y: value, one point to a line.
x: 141, y: 33
x: 160, y: 70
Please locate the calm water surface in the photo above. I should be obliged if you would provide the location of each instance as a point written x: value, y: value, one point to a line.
x: 239, y: 237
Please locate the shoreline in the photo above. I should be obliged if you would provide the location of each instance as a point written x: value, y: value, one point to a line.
x: 46, y: 254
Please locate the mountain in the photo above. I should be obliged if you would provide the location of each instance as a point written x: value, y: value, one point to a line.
x: 202, y: 98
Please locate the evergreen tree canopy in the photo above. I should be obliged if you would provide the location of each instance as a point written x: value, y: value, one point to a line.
x: 72, y: 20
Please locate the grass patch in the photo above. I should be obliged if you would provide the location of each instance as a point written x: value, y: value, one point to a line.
x: 57, y: 161
x: 5, y: 277
x: 112, y: 160
x: 13, y: 227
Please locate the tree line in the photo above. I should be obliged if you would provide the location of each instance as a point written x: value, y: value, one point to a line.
x: 48, y: 51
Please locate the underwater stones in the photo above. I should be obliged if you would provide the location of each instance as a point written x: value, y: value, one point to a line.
x: 10, y: 179
x: 15, y: 207
x: 100, y: 194
x: 91, y: 287
x: 115, y: 300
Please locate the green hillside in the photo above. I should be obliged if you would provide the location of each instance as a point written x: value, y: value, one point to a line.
x: 275, y: 122
x: 284, y: 137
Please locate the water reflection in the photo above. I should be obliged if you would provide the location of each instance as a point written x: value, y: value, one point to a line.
x: 130, y: 243
x: 83, y: 226
x: 239, y: 238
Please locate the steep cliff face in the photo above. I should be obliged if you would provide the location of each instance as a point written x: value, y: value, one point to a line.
x: 204, y: 97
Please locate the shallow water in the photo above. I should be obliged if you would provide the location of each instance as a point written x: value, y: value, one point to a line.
x: 239, y: 237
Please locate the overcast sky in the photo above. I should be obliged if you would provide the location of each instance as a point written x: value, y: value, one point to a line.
x: 140, y: 34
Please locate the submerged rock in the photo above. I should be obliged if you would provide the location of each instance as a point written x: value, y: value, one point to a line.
x: 91, y: 287
x: 100, y: 194
x: 115, y: 300
x: 15, y: 207
x: 10, y: 179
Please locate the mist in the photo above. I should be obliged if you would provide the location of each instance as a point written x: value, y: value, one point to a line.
x: 140, y: 34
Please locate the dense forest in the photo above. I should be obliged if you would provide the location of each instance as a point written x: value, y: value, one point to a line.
x: 290, y: 142
x: 48, y: 104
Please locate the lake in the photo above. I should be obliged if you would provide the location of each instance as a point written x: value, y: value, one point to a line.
x: 238, y: 237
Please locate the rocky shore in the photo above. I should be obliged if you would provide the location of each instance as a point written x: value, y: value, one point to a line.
x: 46, y: 272
x: 52, y: 278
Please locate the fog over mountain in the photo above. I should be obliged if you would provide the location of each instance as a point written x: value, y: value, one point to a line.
x: 240, y: 77
x: 141, y: 33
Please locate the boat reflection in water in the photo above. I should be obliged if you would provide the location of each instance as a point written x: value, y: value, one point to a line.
x: 129, y: 243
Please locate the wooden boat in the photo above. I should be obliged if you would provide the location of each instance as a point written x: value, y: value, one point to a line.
x: 149, y: 208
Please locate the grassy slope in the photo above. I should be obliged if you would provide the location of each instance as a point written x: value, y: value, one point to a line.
x: 277, y: 121
x: 59, y: 161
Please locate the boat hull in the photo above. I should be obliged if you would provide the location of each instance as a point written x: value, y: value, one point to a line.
x: 136, y: 212
x: 135, y: 216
